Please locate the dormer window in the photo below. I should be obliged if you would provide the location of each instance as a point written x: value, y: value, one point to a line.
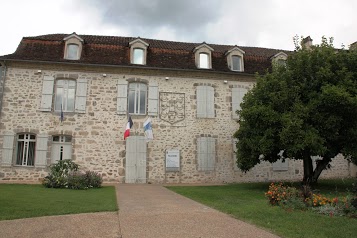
x: 138, y: 51
x: 236, y: 63
x: 204, y: 61
x: 235, y: 60
x: 279, y: 59
x: 72, y: 52
x: 203, y: 56
x: 138, y: 56
x: 73, y: 47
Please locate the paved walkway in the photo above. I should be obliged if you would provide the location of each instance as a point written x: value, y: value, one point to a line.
x: 145, y: 211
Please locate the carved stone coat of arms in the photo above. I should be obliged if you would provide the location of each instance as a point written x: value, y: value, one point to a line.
x: 172, y: 107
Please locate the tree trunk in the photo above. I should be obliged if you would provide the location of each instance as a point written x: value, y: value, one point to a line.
x: 308, y: 171
x: 320, y: 166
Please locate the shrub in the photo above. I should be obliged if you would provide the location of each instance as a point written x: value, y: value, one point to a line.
x: 65, y: 174
x: 294, y: 203
x: 329, y: 210
x: 59, y: 172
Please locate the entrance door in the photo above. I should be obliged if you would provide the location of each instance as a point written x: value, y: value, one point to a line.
x: 135, y: 169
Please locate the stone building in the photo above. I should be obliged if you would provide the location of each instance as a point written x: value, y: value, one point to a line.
x: 69, y: 97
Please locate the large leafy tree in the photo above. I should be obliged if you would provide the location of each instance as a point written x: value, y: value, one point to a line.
x: 307, y: 108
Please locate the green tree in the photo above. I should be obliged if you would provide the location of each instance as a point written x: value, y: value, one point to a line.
x: 307, y: 108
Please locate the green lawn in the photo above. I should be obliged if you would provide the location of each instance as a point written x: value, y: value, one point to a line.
x: 21, y: 201
x: 247, y: 202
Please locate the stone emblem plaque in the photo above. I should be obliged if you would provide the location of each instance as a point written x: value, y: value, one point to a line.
x: 172, y: 107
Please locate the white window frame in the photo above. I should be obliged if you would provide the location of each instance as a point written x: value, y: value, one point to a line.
x: 203, y: 62
x: 137, y: 97
x: 142, y: 59
x: 206, y: 154
x: 73, y: 39
x: 25, y: 150
x: 74, y: 56
x: 66, y: 87
x: 203, y: 49
x: 240, y: 65
x: 64, y: 143
x: 138, y: 44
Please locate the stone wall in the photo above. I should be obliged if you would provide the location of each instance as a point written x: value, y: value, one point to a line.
x: 98, y: 143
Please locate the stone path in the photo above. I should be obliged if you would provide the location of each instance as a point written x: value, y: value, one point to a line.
x: 145, y: 211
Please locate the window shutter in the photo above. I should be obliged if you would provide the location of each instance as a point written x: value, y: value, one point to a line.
x: 55, y: 153
x: 67, y: 151
x: 201, y: 153
x: 280, y: 165
x: 211, y: 153
x: 47, y: 93
x: 122, y: 97
x: 41, y: 151
x: 237, y: 99
x: 201, y: 102
x: 81, y: 96
x: 153, y: 99
x: 8, y: 148
x: 210, y: 102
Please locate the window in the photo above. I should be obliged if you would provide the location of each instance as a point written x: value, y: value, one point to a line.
x: 280, y: 165
x: 138, y: 56
x: 137, y: 98
x: 26, y: 145
x: 205, y: 102
x: 281, y: 62
x: 236, y: 63
x: 235, y: 60
x: 138, y: 51
x: 65, y: 95
x: 61, y: 148
x: 237, y: 99
x: 206, y: 153
x: 204, y: 64
x: 72, y: 52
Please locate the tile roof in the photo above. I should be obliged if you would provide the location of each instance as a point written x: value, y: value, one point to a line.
x: 115, y: 50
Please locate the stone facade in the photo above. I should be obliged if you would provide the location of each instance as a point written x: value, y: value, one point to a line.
x: 98, y: 143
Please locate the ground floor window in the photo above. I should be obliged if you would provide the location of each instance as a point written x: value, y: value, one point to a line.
x: 25, y: 151
x: 206, y: 153
x: 61, y: 148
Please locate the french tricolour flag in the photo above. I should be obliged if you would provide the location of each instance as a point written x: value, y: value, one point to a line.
x: 127, y: 129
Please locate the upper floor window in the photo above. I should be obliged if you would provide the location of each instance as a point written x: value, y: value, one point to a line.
x: 279, y: 59
x: 65, y: 95
x: 137, y: 98
x: 236, y: 63
x: 73, y: 47
x: 138, y: 56
x: 138, y: 51
x: 205, y: 102
x: 72, y: 51
x: 203, y: 56
x: 25, y: 150
x: 203, y: 61
x: 235, y: 59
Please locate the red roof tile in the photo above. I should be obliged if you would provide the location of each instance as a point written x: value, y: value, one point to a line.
x: 114, y: 50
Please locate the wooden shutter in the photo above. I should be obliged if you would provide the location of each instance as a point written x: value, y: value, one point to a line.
x: 280, y: 165
x: 41, y: 151
x: 153, y: 99
x: 211, y: 153
x: 201, y: 102
x: 201, y: 153
x: 8, y: 148
x: 210, y: 102
x: 122, y: 97
x: 237, y: 99
x: 81, y: 96
x: 55, y: 152
x: 141, y: 159
x: 47, y: 93
x: 67, y: 151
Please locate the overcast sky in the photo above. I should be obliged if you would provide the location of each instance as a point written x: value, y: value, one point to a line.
x: 263, y: 23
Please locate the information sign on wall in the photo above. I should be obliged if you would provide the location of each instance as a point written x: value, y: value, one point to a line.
x: 172, y: 160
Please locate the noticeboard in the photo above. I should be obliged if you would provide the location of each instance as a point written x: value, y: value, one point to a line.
x: 172, y: 160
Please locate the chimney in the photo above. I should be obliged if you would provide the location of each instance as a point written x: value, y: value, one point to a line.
x: 353, y: 46
x: 306, y: 43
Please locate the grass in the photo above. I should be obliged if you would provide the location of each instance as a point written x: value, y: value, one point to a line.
x: 248, y: 203
x: 22, y: 201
